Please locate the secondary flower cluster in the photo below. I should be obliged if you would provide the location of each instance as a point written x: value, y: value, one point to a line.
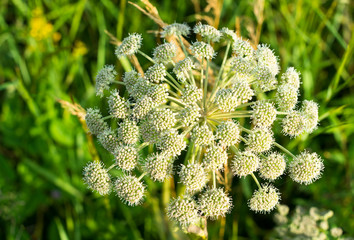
x: 207, y: 116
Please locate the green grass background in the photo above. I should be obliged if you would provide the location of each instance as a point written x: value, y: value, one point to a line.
x: 43, y: 148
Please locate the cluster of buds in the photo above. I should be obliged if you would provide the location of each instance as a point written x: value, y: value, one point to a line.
x: 190, y: 109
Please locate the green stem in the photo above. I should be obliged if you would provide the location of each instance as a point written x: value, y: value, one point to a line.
x: 107, y: 117
x: 142, y: 146
x: 256, y: 180
x: 206, y: 86
x: 224, y: 61
x: 182, y: 45
x: 284, y: 149
x: 110, y: 167
x: 118, y: 82
x: 146, y: 56
x: 175, y: 100
x: 142, y: 175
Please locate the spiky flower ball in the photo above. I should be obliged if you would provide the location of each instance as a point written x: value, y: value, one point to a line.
x: 215, y: 158
x: 260, y: 140
x: 193, y: 176
x: 176, y: 29
x: 228, y: 133
x: 183, y: 210
x: 94, y: 121
x: 272, y: 166
x: 159, y: 166
x: 242, y: 48
x: 183, y: 68
x: 156, y: 73
x: 189, y: 115
x: 118, y: 106
x: 264, y: 199
x: 126, y: 157
x: 104, y: 78
x: 128, y: 132
x: 162, y: 119
x: 214, y: 203
x: 266, y: 57
x: 286, y: 97
x: 306, y: 168
x: 226, y: 100
x: 293, y: 124
x: 264, y: 114
x: 207, y: 32
x: 97, y: 178
x: 203, y: 50
x: 165, y: 53
x: 202, y: 135
x: 129, y: 46
x: 309, y: 110
x: 108, y: 139
x: 291, y: 77
x: 129, y: 189
x: 244, y: 163
x: 173, y: 143
x: 143, y: 107
x: 191, y: 95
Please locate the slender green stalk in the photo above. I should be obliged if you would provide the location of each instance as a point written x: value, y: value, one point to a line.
x: 175, y: 100
x: 120, y: 83
x: 110, y: 167
x: 107, y: 117
x: 182, y: 45
x: 214, y: 180
x: 284, y: 149
x: 256, y: 180
x: 142, y: 175
x: 142, y: 146
x: 146, y: 56
x: 206, y: 86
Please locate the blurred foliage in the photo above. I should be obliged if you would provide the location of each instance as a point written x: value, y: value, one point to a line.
x: 52, y: 50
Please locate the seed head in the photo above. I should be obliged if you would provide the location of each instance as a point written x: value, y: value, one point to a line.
x: 202, y: 135
x: 118, y: 106
x: 306, y: 168
x: 244, y: 163
x: 176, y: 29
x: 159, y: 166
x: 193, y: 176
x: 104, y: 78
x: 265, y: 78
x: 291, y: 77
x: 189, y: 115
x: 264, y: 114
x: 272, y: 167
x: 94, y: 121
x: 215, y: 158
x: 226, y: 100
x: 129, y: 189
x: 228, y: 34
x: 108, y: 139
x: 228, y: 133
x: 97, y: 178
x: 182, y: 69
x: 126, y: 157
x: 203, y: 50
x: 264, y: 199
x: 159, y: 94
x: 265, y: 56
x: 309, y: 110
x: 191, y: 94
x: 242, y: 91
x: 130, y: 79
x: 172, y: 142
x: 128, y: 132
x: 214, y: 203
x: 293, y: 124
x: 149, y: 133
x: 164, y: 53
x: 286, y: 97
x: 142, y: 107
x: 129, y: 46
x: 183, y: 210
x: 156, y: 73
x: 162, y: 119
x: 260, y: 140
x: 243, y: 49
x: 207, y: 32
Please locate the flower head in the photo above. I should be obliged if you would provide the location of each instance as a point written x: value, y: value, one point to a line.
x: 108, y: 139
x: 291, y: 77
x: 164, y: 53
x: 183, y: 210
x: 118, y: 106
x: 104, y: 78
x: 176, y: 29
x: 215, y: 158
x: 159, y: 166
x: 156, y: 73
x: 245, y: 163
x: 309, y: 110
x: 203, y: 50
x: 183, y: 69
x: 193, y: 176
x: 272, y: 166
x: 129, y: 189
x: 207, y: 32
x: 260, y: 140
x: 306, y: 168
x: 126, y: 157
x: 97, y: 178
x: 228, y: 133
x: 214, y: 203
x: 129, y: 46
x: 202, y: 135
x: 264, y: 199
x: 264, y: 114
x: 94, y: 121
x: 128, y: 132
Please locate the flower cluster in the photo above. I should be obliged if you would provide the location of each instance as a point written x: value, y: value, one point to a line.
x: 305, y: 223
x: 210, y: 112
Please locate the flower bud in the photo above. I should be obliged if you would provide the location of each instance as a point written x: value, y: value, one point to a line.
x: 97, y: 178
x: 129, y: 46
x: 214, y: 203
x: 244, y: 163
x: 264, y: 199
x: 183, y: 210
x: 104, y: 78
x: 130, y: 190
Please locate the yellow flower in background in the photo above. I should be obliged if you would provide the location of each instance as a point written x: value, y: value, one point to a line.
x: 79, y: 49
x: 40, y: 28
